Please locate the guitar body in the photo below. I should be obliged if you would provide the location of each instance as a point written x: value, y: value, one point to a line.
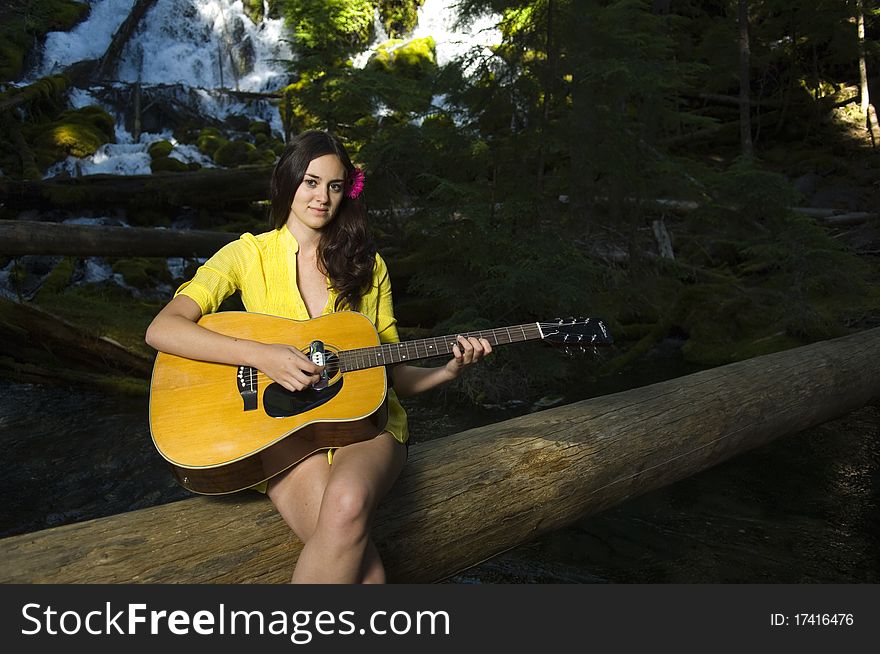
x: 224, y: 428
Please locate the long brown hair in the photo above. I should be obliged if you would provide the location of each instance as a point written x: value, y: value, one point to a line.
x: 346, y: 253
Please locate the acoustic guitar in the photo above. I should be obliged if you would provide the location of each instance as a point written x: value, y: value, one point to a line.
x: 223, y: 428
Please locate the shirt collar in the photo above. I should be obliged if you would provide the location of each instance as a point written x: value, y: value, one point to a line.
x: 289, y: 239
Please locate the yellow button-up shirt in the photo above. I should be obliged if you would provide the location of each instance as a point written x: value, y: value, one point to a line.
x: 263, y: 269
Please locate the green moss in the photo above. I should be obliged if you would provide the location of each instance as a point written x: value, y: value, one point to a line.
x: 234, y: 153
x: 59, y: 279
x: 254, y: 10
x: 105, y: 311
x: 399, y: 17
x: 78, y: 132
x: 24, y: 22
x: 261, y: 156
x: 383, y: 58
x: 416, y: 59
x: 160, y: 149
x: 170, y: 165
x: 142, y: 272
x: 47, y: 94
x: 330, y: 27
x: 209, y: 140
x: 259, y: 127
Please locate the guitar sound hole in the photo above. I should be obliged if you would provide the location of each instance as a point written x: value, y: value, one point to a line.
x: 278, y: 402
x: 332, y: 365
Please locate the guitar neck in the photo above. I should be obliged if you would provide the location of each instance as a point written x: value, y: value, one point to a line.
x: 426, y: 348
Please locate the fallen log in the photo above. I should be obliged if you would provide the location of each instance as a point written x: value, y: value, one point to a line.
x: 21, y: 237
x: 46, y: 89
x: 849, y: 219
x: 211, y: 188
x: 24, y: 327
x: 469, y: 496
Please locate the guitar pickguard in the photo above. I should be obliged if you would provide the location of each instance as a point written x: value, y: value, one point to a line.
x: 278, y: 402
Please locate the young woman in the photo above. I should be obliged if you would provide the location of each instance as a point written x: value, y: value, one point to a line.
x: 318, y: 259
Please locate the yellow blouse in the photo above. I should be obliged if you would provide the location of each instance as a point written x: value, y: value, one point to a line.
x: 263, y: 268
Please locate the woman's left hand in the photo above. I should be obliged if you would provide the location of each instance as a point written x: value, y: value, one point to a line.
x: 467, y: 351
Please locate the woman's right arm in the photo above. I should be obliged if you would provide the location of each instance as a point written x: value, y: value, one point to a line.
x: 174, y: 330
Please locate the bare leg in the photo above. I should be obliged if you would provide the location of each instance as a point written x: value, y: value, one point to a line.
x: 331, y: 509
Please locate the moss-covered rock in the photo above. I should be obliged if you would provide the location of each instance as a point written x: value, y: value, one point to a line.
x: 262, y: 157
x: 59, y: 279
x: 209, y: 141
x: 416, y: 59
x: 143, y: 272
x: 260, y: 128
x: 78, y: 133
x: 171, y: 165
x: 234, y: 153
x: 160, y: 149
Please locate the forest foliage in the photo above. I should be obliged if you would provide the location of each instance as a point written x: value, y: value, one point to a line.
x: 528, y: 181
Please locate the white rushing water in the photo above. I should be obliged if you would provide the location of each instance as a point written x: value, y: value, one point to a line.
x: 440, y: 19
x: 191, y: 49
x: 201, y: 43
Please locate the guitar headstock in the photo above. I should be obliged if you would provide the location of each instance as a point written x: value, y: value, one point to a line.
x: 576, y: 332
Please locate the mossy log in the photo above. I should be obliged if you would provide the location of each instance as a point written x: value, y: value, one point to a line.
x: 21, y: 237
x: 46, y: 89
x: 24, y: 327
x: 207, y: 188
x: 469, y: 496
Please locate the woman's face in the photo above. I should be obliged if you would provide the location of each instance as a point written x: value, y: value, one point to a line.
x: 319, y: 195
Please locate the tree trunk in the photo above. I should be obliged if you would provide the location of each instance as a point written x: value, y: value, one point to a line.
x: 549, y: 83
x: 745, y: 121
x: 864, y: 94
x: 20, y: 237
x: 106, y: 68
x: 581, y: 119
x: 467, y: 497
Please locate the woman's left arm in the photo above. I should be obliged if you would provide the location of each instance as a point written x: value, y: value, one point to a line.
x: 409, y: 380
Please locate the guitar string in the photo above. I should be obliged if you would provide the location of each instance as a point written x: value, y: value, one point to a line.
x: 367, y: 357
x: 361, y: 356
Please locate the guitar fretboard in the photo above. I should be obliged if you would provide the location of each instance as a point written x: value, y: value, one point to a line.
x: 425, y: 348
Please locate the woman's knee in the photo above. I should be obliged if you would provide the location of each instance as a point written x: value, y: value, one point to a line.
x: 347, y: 507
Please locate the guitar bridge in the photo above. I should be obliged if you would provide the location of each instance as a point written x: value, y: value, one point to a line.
x: 247, y: 386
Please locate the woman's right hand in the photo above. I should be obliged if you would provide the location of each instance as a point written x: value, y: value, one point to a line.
x: 287, y: 366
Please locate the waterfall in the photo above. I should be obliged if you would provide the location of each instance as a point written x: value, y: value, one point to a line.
x: 193, y: 42
x: 438, y: 18
x: 185, y: 51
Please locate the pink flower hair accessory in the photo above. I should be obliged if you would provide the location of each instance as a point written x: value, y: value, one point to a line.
x: 356, y: 183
